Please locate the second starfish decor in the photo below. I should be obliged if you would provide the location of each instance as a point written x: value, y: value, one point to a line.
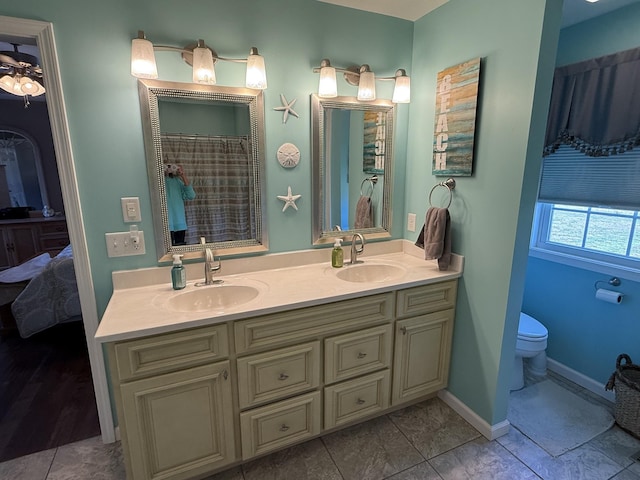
x: 286, y: 108
x: 289, y: 200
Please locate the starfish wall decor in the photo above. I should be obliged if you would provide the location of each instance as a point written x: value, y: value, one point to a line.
x: 286, y: 108
x: 289, y: 200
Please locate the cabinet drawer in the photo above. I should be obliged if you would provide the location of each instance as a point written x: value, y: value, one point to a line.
x: 47, y: 228
x: 357, y: 398
x: 307, y: 323
x: 168, y: 352
x: 278, y: 374
x: 426, y: 299
x: 280, y: 424
x: 357, y: 353
x: 54, y: 243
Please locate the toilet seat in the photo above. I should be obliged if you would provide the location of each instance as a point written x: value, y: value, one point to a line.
x: 530, y: 329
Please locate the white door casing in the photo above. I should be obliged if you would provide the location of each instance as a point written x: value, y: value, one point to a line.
x: 43, y: 33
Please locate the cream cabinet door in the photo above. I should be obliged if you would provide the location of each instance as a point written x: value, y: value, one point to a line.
x: 179, y: 425
x: 421, y: 358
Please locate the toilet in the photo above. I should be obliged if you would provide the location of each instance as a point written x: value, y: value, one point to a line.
x: 531, y: 344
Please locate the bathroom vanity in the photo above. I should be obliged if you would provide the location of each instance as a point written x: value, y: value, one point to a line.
x: 200, y: 386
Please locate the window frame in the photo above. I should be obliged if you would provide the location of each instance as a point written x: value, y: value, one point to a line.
x: 606, y: 263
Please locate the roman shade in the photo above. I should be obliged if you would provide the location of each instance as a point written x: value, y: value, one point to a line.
x: 592, y: 148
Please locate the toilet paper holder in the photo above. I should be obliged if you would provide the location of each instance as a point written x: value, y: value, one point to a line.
x: 613, y: 281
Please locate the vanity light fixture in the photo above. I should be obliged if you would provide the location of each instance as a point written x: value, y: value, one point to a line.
x: 20, y: 74
x: 202, y: 59
x: 364, y: 78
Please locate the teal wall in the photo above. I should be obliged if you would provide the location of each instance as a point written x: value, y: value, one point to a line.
x: 93, y: 41
x: 585, y: 334
x: 491, y: 210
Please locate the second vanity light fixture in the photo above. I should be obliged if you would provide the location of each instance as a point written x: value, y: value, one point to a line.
x: 201, y: 57
x: 365, y: 79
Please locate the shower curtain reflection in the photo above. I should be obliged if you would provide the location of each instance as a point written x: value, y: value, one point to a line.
x: 220, y: 170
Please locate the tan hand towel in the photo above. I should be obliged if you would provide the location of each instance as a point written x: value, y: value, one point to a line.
x: 364, y: 213
x: 435, y: 237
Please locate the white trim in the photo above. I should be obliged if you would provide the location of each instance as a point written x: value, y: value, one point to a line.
x: 580, y: 379
x: 490, y: 432
x: 43, y: 33
x: 584, y: 263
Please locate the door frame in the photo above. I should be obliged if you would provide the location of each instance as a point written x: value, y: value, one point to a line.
x: 42, y: 32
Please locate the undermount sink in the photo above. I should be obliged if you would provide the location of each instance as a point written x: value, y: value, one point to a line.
x: 370, y: 272
x: 213, y: 297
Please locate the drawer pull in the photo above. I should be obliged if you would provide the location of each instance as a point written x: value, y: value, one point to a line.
x: 284, y: 428
x: 283, y: 376
x: 360, y: 401
x: 362, y: 355
x: 403, y: 330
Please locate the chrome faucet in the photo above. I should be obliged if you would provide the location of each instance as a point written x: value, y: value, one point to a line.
x: 355, y: 251
x: 210, y: 267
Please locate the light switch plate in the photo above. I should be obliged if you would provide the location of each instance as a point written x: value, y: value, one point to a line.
x: 411, y: 222
x: 130, y: 209
x: 124, y: 244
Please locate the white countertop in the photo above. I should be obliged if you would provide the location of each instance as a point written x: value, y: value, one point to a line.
x: 139, y: 304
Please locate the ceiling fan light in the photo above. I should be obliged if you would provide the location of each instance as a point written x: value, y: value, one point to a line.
x: 7, y: 83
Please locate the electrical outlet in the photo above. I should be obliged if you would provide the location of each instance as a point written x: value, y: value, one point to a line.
x: 131, y: 209
x: 411, y: 222
x: 124, y: 244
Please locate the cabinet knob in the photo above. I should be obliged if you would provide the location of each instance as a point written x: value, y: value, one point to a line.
x: 284, y: 428
x: 283, y: 376
x: 362, y: 355
x: 403, y: 330
x: 225, y: 374
x: 360, y: 401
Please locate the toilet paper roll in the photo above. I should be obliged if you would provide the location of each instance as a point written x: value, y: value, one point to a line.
x: 608, y: 296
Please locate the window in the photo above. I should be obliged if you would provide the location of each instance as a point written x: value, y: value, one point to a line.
x: 589, y: 195
x: 590, y: 235
x: 587, y: 213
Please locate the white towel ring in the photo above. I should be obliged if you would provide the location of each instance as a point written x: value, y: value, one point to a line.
x: 372, y: 182
x: 450, y: 185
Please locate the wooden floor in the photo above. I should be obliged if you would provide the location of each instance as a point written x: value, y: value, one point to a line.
x: 46, y: 391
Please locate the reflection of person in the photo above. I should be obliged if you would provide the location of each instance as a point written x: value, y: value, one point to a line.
x: 178, y: 189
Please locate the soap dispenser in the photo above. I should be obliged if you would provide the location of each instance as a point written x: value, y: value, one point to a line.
x: 337, y: 255
x: 178, y: 274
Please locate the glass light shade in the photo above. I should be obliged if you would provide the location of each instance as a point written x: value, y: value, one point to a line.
x: 256, y: 72
x: 143, y: 60
x: 30, y: 87
x: 203, y: 71
x: 327, y: 88
x: 367, y: 86
x: 7, y: 84
x: 402, y: 90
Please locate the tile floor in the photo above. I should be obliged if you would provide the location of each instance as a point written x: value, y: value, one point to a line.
x: 428, y: 441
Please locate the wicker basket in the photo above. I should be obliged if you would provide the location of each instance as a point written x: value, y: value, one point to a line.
x: 626, y: 382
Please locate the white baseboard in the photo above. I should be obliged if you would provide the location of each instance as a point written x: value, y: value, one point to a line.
x: 490, y: 432
x: 580, y: 379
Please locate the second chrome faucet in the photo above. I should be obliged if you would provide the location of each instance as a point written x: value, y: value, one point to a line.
x: 355, y: 251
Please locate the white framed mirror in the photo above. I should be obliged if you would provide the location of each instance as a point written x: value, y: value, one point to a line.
x: 204, y: 147
x: 352, y: 167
